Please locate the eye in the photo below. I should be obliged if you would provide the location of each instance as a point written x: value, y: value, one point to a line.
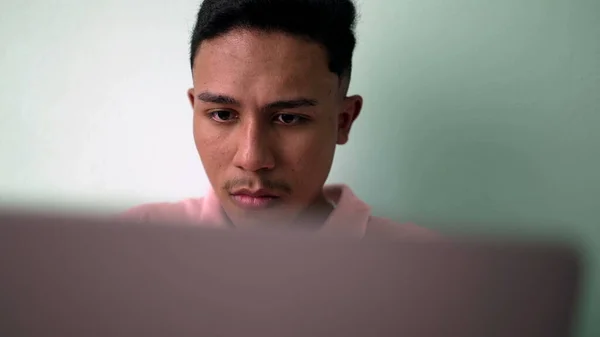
x: 222, y: 116
x: 289, y: 119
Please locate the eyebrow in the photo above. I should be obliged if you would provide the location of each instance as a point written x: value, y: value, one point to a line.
x: 209, y: 97
x: 300, y: 102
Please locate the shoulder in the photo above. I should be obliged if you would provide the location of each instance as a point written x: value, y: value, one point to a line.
x: 382, y: 228
x: 183, y: 211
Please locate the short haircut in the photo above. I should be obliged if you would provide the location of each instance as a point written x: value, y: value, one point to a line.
x: 330, y: 23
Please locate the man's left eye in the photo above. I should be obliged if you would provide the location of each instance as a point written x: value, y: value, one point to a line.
x: 288, y: 119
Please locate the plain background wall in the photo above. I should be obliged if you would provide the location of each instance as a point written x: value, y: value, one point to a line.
x: 479, y: 117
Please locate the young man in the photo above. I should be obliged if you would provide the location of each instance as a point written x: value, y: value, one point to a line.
x: 270, y: 106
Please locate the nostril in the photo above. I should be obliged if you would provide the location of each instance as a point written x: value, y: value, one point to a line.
x: 254, y: 160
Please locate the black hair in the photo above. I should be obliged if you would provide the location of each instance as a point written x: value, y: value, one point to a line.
x: 330, y: 23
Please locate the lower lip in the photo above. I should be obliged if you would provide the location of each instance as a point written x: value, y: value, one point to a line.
x: 253, y: 203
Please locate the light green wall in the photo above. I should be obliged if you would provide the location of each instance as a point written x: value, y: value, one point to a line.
x: 483, y: 117
x: 479, y: 117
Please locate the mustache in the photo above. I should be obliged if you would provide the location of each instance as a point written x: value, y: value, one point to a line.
x: 273, y: 185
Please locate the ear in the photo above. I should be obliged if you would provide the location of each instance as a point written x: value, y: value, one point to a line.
x: 351, y: 107
x: 191, y: 97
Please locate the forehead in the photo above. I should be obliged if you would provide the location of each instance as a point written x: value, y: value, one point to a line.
x: 253, y: 60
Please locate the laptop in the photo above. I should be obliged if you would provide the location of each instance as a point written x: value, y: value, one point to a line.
x: 74, y: 276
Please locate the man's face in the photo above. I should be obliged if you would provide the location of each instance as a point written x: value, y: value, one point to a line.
x: 268, y: 114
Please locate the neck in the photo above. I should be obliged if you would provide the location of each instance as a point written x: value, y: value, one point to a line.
x: 314, y: 216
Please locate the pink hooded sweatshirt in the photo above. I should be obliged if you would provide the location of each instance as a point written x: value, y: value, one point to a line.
x: 350, y: 217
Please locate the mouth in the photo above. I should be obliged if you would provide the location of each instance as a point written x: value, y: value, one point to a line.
x: 254, y: 200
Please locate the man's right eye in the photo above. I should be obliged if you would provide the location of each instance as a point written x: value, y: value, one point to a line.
x: 222, y: 116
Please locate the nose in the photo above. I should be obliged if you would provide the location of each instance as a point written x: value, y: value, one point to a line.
x: 254, y: 152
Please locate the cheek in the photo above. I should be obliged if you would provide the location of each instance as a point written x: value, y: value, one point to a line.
x: 310, y: 158
x: 211, y: 145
